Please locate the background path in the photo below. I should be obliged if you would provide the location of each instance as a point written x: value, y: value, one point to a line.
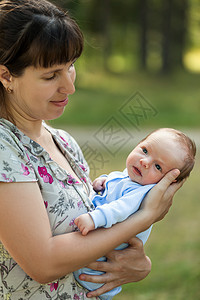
x: 83, y: 134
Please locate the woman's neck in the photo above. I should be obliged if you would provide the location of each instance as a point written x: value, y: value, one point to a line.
x: 32, y: 128
x: 28, y: 125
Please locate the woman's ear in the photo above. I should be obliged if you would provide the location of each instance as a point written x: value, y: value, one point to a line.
x: 5, y: 76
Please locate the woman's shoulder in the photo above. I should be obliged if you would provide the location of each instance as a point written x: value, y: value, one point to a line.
x: 8, y: 134
x: 5, y: 130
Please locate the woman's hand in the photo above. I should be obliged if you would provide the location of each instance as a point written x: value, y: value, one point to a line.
x: 122, y: 266
x: 159, y: 200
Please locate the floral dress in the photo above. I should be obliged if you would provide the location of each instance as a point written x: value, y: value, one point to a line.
x: 23, y: 160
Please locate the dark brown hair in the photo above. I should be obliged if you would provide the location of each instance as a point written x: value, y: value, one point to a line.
x: 35, y: 33
x: 187, y: 144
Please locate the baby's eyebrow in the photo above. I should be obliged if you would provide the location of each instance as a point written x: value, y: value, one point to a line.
x: 147, y: 145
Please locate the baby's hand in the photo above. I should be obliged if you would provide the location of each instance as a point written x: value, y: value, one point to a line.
x: 84, y: 223
x: 99, y: 184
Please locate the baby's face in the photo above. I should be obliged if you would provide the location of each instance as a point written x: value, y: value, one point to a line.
x: 154, y: 157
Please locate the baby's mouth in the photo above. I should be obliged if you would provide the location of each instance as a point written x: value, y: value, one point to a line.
x: 137, y: 171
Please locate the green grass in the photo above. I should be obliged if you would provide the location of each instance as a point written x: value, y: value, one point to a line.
x: 100, y: 95
x: 173, y: 246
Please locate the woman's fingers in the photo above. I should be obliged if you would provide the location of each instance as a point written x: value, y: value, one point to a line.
x: 122, y: 266
x: 99, y: 266
x: 96, y: 278
x: 167, y: 180
x: 174, y: 187
x: 103, y: 289
x: 159, y: 199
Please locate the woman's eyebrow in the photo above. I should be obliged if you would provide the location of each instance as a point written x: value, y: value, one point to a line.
x: 52, y: 71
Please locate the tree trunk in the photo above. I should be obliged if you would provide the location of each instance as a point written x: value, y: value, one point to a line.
x: 166, y: 36
x: 106, y: 23
x: 173, y: 34
x: 143, y: 33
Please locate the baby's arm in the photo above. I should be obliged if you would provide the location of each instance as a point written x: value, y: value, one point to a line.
x: 84, y: 223
x: 99, y: 184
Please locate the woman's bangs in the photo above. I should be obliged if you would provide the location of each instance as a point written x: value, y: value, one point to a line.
x: 56, y: 46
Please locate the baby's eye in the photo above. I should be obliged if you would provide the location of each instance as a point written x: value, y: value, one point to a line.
x: 158, y: 167
x: 145, y: 150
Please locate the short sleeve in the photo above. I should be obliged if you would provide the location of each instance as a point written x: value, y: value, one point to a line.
x: 15, y: 164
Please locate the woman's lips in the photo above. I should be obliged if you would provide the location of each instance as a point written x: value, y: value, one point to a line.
x: 60, y: 103
x: 136, y: 171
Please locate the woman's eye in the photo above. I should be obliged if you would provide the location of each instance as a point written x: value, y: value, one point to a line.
x: 51, y: 78
x: 145, y: 150
x: 158, y: 167
x: 71, y: 67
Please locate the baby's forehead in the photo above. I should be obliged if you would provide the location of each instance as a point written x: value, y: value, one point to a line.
x: 166, y: 150
x: 162, y: 136
x: 169, y: 142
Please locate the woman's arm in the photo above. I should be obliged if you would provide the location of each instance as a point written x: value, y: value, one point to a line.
x: 26, y: 234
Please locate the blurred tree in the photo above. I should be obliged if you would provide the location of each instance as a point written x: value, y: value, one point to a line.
x: 179, y: 25
x: 194, y: 24
x: 143, y: 8
x: 163, y: 31
x: 166, y: 35
x: 174, y: 34
x: 117, y: 26
x: 104, y: 12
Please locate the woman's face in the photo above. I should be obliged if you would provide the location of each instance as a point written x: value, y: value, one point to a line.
x: 42, y: 93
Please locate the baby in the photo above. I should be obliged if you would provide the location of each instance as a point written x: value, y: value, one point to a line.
x: 122, y: 192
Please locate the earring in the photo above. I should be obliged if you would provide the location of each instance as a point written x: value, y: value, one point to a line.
x: 9, y: 90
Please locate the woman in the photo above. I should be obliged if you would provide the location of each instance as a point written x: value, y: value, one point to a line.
x: 44, y: 183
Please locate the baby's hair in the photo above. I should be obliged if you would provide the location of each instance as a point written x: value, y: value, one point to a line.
x: 189, y: 147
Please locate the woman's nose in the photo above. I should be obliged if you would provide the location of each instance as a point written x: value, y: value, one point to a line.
x: 144, y: 163
x: 67, y: 84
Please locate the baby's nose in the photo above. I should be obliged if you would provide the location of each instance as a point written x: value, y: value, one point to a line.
x: 144, y: 163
